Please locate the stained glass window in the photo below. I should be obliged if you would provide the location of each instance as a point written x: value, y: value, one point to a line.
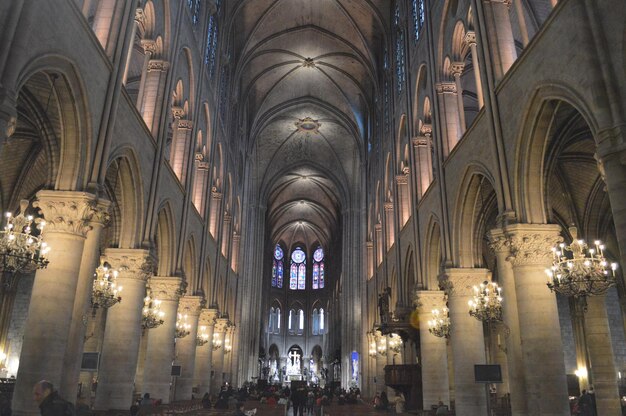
x: 277, y: 267
x: 318, y: 268
x: 400, y: 58
x: 211, y: 43
x: 297, y: 279
x: 194, y: 7
x: 418, y: 17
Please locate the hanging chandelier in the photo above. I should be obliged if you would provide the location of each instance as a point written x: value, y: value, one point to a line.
x: 372, y: 343
x: 202, y: 337
x: 381, y: 348
x: 217, y: 342
x: 227, y: 346
x: 182, y: 327
x: 579, y: 271
x: 486, y: 305
x: 395, y: 343
x: 152, y: 316
x: 22, y: 249
x: 105, y: 292
x: 440, y: 325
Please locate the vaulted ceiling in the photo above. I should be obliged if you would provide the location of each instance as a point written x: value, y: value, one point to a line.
x: 308, y: 75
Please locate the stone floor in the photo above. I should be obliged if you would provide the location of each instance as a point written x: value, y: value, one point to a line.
x: 332, y: 410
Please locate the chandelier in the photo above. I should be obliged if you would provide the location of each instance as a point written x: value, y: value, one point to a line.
x: 22, y: 251
x: 152, y: 316
x: 486, y: 305
x: 439, y: 326
x: 227, y: 347
x: 372, y: 342
x: 182, y: 327
x: 217, y: 342
x: 105, y: 292
x: 395, y: 343
x: 583, y: 272
x: 381, y: 348
x: 202, y: 337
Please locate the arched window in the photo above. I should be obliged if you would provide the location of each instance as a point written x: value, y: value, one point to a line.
x: 211, y: 44
x: 270, y: 328
x: 292, y: 321
x: 277, y: 268
x: 316, y: 322
x: 297, y: 276
x: 400, y: 58
x: 321, y: 320
x: 274, y: 324
x: 318, y: 269
x: 418, y: 17
x: 300, y: 322
x: 277, y: 321
x: 194, y: 8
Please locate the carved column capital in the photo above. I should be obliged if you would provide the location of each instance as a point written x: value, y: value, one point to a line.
x: 191, y: 305
x: 505, y: 2
x: 69, y: 212
x: 421, y: 141
x: 461, y: 282
x: 208, y: 317
x: 100, y: 213
x: 221, y: 325
x: 427, y: 130
x: 531, y: 244
x: 184, y: 124
x: 228, y: 217
x: 427, y: 300
x: 139, y: 16
x: 470, y: 38
x: 166, y: 288
x: 456, y: 68
x: 498, y: 241
x: 369, y: 244
x: 388, y: 206
x: 378, y: 227
x: 149, y: 46
x: 158, y: 65
x: 445, y: 87
x: 215, y: 194
x: 131, y: 263
x: 402, y: 179
x: 236, y: 238
x: 177, y: 112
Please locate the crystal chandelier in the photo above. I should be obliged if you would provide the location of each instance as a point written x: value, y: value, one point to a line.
x: 381, y: 348
x: 227, y: 347
x: 202, y: 337
x: 395, y: 343
x: 217, y: 342
x: 583, y: 272
x: 439, y: 326
x: 372, y: 342
x: 152, y: 314
x: 182, y: 327
x: 486, y: 305
x: 105, y: 292
x: 22, y: 251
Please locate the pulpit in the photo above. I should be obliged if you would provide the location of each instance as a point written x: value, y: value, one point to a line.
x: 406, y: 378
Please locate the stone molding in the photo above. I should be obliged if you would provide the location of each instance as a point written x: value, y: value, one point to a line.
x: 131, y: 263
x: 498, y: 241
x: 221, y: 325
x: 70, y: 212
x: 100, y: 213
x: 422, y: 141
x: 208, y: 317
x: 227, y: 217
x: 429, y: 300
x: 166, y: 288
x: 461, y: 282
x: 402, y: 179
x: 158, y: 65
x: 505, y: 2
x: 388, y: 206
x: 445, y: 87
x: 191, y: 305
x: 184, y: 124
x: 378, y: 227
x: 531, y: 244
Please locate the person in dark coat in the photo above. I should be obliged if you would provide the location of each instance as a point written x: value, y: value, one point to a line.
x: 49, y: 401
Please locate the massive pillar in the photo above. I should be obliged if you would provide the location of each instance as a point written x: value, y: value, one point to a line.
x: 423, y: 149
x: 513, y: 345
x: 50, y: 313
x: 542, y: 348
x: 456, y: 70
x: 153, y: 95
x: 221, y: 325
x: 84, y: 287
x: 204, y: 353
x: 122, y: 335
x: 467, y: 340
x: 433, y: 350
x: 601, y: 357
x: 186, y: 347
x: 470, y: 39
x: 447, y: 100
x: 404, y: 197
x: 500, y: 32
x: 160, y: 350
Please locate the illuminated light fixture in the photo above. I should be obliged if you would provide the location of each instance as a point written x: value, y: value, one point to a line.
x: 579, y: 271
x: 22, y: 249
x: 202, y: 337
x: 105, y: 292
x: 152, y: 315
x: 486, y: 304
x: 440, y: 325
x: 395, y: 343
x: 217, y: 342
x: 182, y: 327
x: 227, y: 347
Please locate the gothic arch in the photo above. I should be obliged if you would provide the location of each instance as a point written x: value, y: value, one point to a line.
x: 434, y: 254
x: 189, y: 265
x: 165, y: 240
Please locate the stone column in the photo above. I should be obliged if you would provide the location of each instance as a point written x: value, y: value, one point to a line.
x: 138, y: 20
x: 154, y: 94
x: 221, y: 325
x: 389, y: 223
x: 470, y: 39
x: 214, y: 211
x: 466, y: 338
x: 122, y: 335
x: 160, y: 350
x: 82, y: 303
x: 378, y: 231
x: 500, y: 32
x: 200, y: 182
x: 234, y: 256
x: 226, y: 230
x: 456, y: 69
x: 517, y: 385
x: 521, y: 20
x: 404, y: 196
x: 181, y: 145
x: 204, y: 353
x: 54, y: 291
x: 370, y: 259
x: 542, y: 348
x: 446, y: 94
x: 149, y: 49
x: 601, y: 357
x: 422, y: 147
x: 433, y: 350
x: 186, y: 347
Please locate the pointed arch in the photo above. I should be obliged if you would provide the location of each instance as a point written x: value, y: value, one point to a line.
x: 165, y: 240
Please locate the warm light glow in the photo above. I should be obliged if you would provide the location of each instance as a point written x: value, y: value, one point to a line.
x: 581, y: 372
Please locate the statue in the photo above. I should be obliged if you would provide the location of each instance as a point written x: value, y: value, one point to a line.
x: 383, y: 305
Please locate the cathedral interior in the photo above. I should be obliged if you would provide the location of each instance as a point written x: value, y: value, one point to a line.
x: 426, y: 196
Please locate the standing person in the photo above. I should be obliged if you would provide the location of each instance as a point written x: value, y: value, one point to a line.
x: 441, y: 409
x: 49, y: 401
x: 585, y: 404
x: 399, y: 401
